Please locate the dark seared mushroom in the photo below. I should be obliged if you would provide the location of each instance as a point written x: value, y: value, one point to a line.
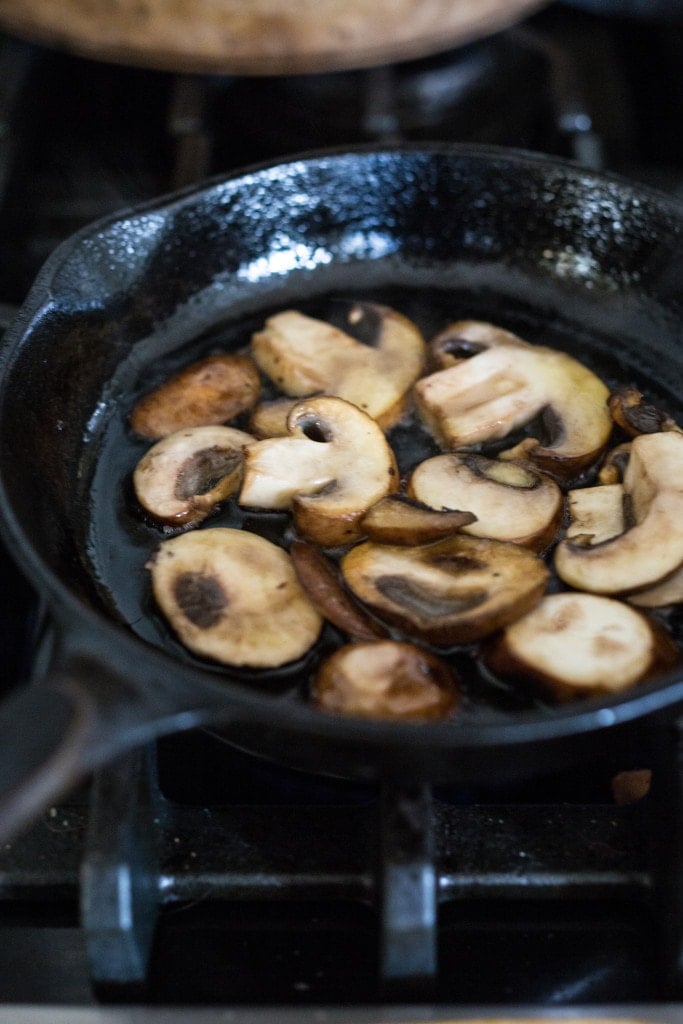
x: 211, y: 391
x: 184, y: 476
x: 320, y: 579
x: 305, y: 356
x: 510, y: 502
x: 334, y: 465
x: 652, y: 547
x: 398, y: 519
x: 453, y: 591
x: 580, y: 645
x: 503, y: 388
x: 385, y: 679
x: 233, y: 596
x: 636, y: 416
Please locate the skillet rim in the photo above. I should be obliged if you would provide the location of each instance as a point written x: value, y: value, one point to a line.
x: 254, y: 707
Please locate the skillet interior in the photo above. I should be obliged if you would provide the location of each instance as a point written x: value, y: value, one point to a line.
x: 588, y: 264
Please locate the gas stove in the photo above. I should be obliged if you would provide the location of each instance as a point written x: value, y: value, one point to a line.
x: 194, y: 875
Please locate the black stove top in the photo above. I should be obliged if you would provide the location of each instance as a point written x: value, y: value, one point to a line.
x: 192, y: 874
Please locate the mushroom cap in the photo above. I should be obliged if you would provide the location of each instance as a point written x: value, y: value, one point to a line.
x: 233, y: 596
x: 503, y: 388
x: 304, y: 356
x: 385, y: 679
x: 453, y: 591
x: 181, y: 478
x: 511, y: 502
x: 334, y: 465
x: 652, y: 548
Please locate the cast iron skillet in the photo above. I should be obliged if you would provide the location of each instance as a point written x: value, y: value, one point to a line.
x: 589, y: 263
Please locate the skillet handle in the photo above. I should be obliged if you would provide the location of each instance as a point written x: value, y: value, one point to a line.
x: 81, y: 714
x: 51, y: 735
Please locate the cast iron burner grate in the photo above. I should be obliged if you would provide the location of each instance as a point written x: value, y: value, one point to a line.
x: 296, y: 890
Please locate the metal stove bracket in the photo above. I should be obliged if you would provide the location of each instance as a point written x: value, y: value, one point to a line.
x: 119, y: 870
x: 408, y: 893
x: 666, y: 830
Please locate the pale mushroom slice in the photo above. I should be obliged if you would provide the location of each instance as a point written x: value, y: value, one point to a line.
x: 334, y: 465
x: 453, y: 591
x: 669, y: 591
x: 596, y: 514
x: 387, y: 680
x: 652, y: 547
x: 234, y: 597
x: 503, y: 388
x: 580, y: 645
x: 213, y: 390
x: 304, y: 356
x: 183, y: 477
x: 511, y: 502
x: 466, y: 338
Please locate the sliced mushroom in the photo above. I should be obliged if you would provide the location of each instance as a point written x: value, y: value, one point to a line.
x: 321, y: 580
x: 464, y: 339
x: 385, y: 680
x: 305, y: 356
x: 334, y: 465
x: 614, y: 464
x: 503, y: 388
x: 667, y: 592
x: 398, y: 519
x: 635, y: 416
x: 234, y: 597
x: 453, y: 591
x: 211, y: 391
x: 652, y: 548
x: 184, y: 476
x: 269, y: 419
x: 596, y: 514
x: 511, y: 502
x: 579, y: 645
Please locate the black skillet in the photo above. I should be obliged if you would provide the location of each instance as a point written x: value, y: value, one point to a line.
x: 584, y: 262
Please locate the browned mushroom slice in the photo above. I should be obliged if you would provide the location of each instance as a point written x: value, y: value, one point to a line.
x: 184, y: 476
x: 386, y: 680
x: 652, y: 548
x: 320, y: 579
x: 211, y: 391
x: 464, y: 339
x: 505, y: 387
x: 636, y: 416
x: 334, y: 465
x: 614, y: 464
x: 234, y: 597
x: 578, y: 645
x: 305, y: 356
x: 453, y: 591
x: 398, y: 519
x: 269, y: 419
x: 511, y: 502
